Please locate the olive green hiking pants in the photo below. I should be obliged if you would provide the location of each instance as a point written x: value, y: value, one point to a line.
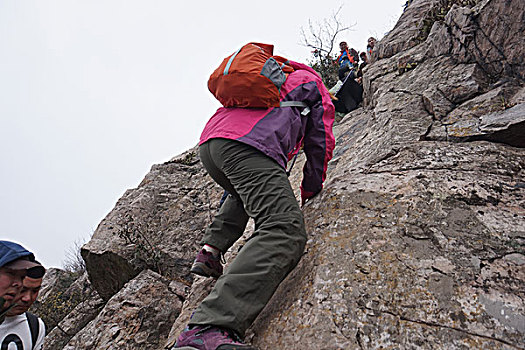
x: 259, y: 189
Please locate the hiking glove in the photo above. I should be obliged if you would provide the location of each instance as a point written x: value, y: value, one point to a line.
x: 306, y: 195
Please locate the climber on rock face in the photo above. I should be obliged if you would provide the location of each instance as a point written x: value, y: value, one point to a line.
x: 246, y: 152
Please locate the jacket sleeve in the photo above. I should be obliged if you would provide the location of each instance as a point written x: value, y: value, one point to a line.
x: 318, y: 139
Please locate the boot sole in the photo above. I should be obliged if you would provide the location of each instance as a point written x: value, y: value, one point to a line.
x: 203, y: 270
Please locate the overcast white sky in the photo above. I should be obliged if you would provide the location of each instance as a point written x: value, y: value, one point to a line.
x: 94, y: 92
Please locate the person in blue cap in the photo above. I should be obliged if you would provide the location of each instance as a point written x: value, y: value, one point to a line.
x: 15, y: 261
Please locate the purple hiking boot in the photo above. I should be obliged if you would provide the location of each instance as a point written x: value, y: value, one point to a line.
x: 209, y: 338
x: 207, y: 265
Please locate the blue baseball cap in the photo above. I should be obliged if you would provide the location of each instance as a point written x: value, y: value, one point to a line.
x: 16, y: 257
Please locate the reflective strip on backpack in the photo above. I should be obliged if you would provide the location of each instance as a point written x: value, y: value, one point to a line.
x: 305, y: 111
x: 293, y: 104
x: 230, y: 62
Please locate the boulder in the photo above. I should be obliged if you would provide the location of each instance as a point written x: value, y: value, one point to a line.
x: 137, y: 317
x: 409, y: 30
x: 75, y: 320
x: 61, y: 291
x: 156, y: 226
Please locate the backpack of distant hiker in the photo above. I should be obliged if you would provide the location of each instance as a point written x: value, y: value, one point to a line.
x: 354, y: 55
x: 251, y: 78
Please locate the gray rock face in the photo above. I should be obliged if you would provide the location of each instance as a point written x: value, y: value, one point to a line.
x: 492, y: 35
x: 61, y: 291
x: 156, y: 226
x: 506, y: 126
x: 73, y: 323
x: 137, y: 317
x: 54, y: 280
x: 415, y: 252
x: 407, y: 33
x: 417, y: 240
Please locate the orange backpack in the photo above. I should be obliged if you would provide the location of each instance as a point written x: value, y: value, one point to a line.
x: 250, y: 78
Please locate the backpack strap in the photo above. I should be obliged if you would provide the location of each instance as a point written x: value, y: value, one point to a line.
x: 33, y: 327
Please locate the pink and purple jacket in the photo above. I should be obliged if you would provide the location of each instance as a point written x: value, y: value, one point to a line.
x: 281, y: 132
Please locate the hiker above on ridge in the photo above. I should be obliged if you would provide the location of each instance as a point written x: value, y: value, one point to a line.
x: 407, y: 3
x: 348, y: 91
x: 371, y: 43
x: 246, y: 151
x: 345, y: 60
x: 359, y: 74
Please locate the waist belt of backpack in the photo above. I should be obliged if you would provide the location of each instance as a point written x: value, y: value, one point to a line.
x: 305, y: 111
